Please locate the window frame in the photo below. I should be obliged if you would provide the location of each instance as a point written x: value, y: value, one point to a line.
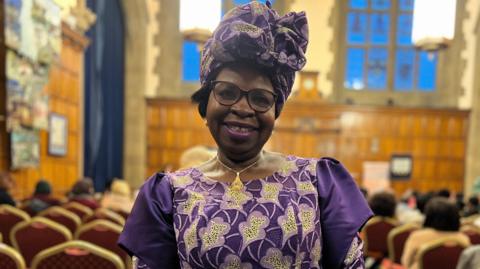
x: 450, y: 66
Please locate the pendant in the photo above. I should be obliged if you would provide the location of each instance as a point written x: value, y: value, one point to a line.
x: 237, y: 184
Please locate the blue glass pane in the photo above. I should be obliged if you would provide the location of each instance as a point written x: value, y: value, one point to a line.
x: 406, y: 5
x: 404, y: 65
x: 354, y: 69
x: 379, y: 28
x: 242, y: 2
x: 357, y: 28
x: 377, y: 69
x: 358, y: 4
x: 404, y: 29
x: 380, y: 4
x: 427, y: 71
x: 191, y: 61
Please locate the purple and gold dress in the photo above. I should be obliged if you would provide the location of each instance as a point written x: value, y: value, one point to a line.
x: 306, y: 215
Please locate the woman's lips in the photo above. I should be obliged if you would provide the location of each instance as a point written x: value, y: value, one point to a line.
x: 239, y: 132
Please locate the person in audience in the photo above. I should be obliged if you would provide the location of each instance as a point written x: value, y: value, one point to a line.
x: 407, y: 210
x: 459, y: 201
x: 442, y: 220
x: 470, y: 258
x: 6, y: 184
x: 119, y: 198
x: 249, y: 207
x: 82, y: 192
x: 383, y: 204
x: 41, y: 198
x: 195, y: 156
x: 443, y: 193
x: 472, y: 207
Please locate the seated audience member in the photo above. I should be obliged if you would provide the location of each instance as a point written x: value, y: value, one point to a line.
x: 6, y: 184
x: 383, y: 204
x: 441, y: 220
x: 459, y: 201
x: 195, y: 156
x: 445, y: 193
x: 82, y: 192
x: 41, y: 198
x: 119, y: 198
x: 407, y: 209
x: 470, y: 258
x: 472, y: 207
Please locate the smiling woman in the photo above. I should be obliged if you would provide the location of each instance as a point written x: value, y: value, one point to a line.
x: 248, y: 207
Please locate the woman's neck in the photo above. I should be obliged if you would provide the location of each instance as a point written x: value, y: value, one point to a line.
x: 239, y: 164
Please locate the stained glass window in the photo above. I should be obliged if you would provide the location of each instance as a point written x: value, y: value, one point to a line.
x: 191, y: 61
x: 378, y: 60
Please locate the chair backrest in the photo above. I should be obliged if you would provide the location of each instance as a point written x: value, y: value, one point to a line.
x: 105, y: 234
x: 121, y: 213
x: 396, y: 240
x: 62, y: 216
x: 9, y: 217
x: 473, y: 232
x: 31, y: 237
x: 442, y: 253
x: 77, y: 255
x: 107, y: 214
x: 80, y: 210
x: 10, y: 258
x: 375, y: 235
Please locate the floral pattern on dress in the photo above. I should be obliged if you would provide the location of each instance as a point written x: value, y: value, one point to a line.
x: 253, y: 229
x: 213, y: 235
x: 273, y: 222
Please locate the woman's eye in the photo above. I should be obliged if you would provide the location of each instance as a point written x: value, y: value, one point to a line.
x: 228, y: 93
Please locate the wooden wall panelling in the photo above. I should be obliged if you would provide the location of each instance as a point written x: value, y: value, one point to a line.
x: 63, y: 89
x: 434, y: 137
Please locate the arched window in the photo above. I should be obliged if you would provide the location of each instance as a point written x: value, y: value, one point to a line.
x: 379, y: 54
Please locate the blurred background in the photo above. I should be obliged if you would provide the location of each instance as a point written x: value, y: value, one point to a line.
x: 100, y: 89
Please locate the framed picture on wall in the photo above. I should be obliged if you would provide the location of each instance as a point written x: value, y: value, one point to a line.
x: 57, y: 136
x: 401, y: 166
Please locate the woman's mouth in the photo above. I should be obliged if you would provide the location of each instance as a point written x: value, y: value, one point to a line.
x: 237, y: 132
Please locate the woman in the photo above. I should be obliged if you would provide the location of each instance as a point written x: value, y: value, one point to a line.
x: 119, y: 199
x: 247, y: 207
x: 82, y: 192
x: 441, y: 220
x: 41, y: 199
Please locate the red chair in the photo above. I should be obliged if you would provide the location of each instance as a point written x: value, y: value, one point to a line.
x: 31, y: 237
x: 106, y: 214
x: 10, y: 258
x: 76, y: 255
x: 105, y: 234
x: 9, y: 217
x: 396, y: 240
x: 62, y: 216
x: 375, y: 236
x: 443, y: 253
x: 473, y: 232
x: 80, y: 210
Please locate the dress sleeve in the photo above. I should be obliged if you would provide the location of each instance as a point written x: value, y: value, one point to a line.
x: 148, y: 233
x: 343, y: 211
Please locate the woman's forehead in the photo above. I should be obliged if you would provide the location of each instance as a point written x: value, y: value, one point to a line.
x: 245, y: 77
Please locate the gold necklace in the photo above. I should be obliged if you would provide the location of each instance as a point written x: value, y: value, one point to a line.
x: 237, y: 184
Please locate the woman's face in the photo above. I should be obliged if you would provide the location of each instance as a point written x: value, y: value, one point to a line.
x: 239, y: 131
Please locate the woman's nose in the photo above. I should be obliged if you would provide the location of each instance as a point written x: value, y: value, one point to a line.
x: 242, y: 108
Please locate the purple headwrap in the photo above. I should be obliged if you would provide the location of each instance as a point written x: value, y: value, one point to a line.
x: 256, y: 33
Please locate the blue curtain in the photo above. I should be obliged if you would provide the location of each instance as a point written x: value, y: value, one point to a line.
x: 104, y: 94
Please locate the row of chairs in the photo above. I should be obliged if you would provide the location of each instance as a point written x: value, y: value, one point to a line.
x: 75, y: 254
x: 71, y: 215
x: 383, y: 238
x: 30, y: 236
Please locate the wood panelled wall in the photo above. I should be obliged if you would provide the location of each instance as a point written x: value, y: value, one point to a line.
x: 64, y: 99
x: 435, y: 138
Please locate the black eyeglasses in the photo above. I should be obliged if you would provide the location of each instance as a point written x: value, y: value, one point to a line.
x: 227, y: 94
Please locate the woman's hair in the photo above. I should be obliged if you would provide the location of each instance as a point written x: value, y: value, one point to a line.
x: 120, y: 187
x: 83, y: 186
x: 383, y: 204
x: 42, y: 187
x: 442, y: 215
